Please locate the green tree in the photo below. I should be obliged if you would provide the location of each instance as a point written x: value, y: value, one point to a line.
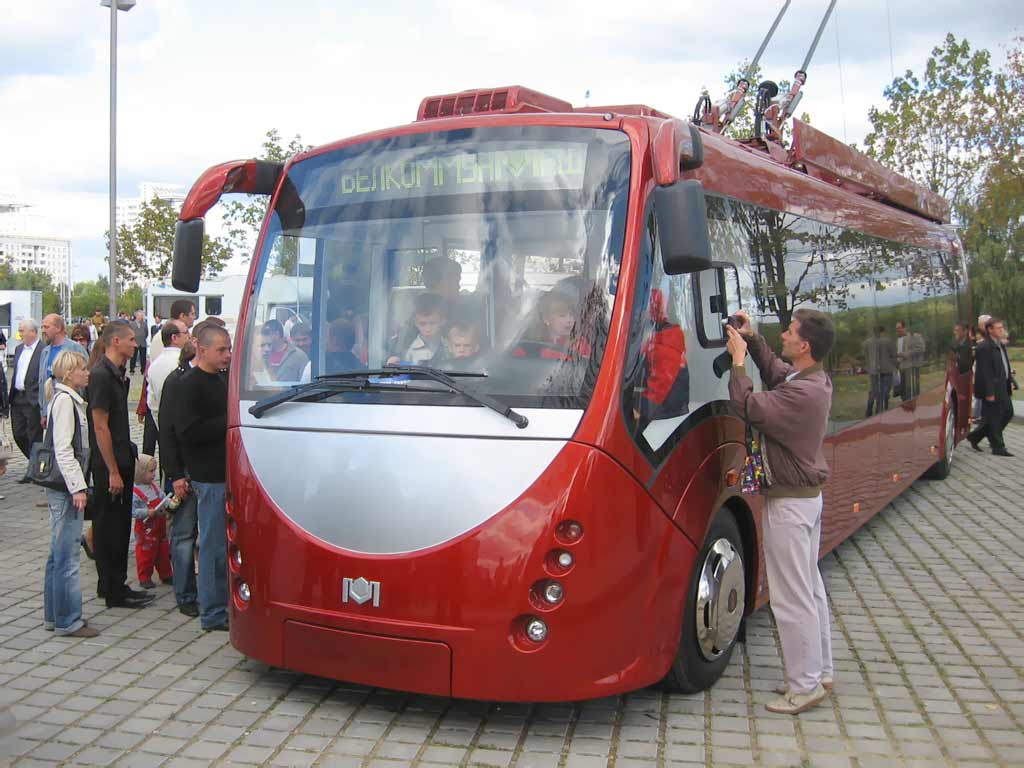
x: 88, y: 296
x: 131, y: 299
x: 995, y: 235
x: 31, y: 280
x: 145, y: 250
x: 243, y: 218
x: 936, y: 129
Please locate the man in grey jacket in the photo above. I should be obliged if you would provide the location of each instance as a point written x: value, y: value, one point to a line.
x: 791, y: 414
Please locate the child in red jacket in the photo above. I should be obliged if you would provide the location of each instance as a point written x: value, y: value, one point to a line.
x: 149, y: 508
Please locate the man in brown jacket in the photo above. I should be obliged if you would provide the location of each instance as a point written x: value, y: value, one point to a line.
x: 791, y: 415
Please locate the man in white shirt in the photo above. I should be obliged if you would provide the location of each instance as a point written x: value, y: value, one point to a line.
x: 24, y: 396
x: 174, y: 336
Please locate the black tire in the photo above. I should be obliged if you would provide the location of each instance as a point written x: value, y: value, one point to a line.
x: 692, y: 670
x: 940, y: 469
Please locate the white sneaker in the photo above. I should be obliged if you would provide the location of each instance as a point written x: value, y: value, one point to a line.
x: 826, y: 682
x: 795, y: 703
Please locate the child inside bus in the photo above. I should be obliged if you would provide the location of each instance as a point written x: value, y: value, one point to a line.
x: 553, y: 337
x: 429, y: 317
x: 462, y: 343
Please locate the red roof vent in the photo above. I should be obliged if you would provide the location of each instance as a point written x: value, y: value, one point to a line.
x: 513, y: 98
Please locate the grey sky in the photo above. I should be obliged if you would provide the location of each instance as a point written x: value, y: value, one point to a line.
x: 202, y: 81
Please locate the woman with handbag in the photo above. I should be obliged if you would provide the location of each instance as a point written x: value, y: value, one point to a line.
x: 69, y: 429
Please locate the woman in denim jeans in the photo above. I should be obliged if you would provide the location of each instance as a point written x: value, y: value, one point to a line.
x: 62, y: 591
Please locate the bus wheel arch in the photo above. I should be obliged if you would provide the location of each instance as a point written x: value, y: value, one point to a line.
x: 714, y: 608
x: 947, y: 441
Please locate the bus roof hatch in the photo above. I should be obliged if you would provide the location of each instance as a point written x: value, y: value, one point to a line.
x: 513, y: 98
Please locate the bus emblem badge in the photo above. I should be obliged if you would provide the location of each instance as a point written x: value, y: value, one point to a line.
x: 360, y: 590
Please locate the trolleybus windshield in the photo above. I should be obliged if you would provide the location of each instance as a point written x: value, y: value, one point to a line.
x: 493, y: 251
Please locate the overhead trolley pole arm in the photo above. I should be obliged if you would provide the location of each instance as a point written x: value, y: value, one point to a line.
x: 792, y: 99
x: 718, y: 116
x: 735, y: 101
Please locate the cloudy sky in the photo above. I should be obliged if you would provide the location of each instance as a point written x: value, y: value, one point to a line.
x: 201, y: 81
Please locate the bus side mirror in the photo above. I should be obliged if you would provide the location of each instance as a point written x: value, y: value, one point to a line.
x: 188, y: 255
x: 682, y: 218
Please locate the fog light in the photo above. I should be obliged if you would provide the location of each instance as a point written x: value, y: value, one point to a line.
x: 243, y: 592
x: 565, y: 559
x: 536, y: 630
x: 553, y: 592
x: 236, y: 556
x: 570, y: 531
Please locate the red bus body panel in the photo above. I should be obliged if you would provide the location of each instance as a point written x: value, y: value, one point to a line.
x: 453, y: 607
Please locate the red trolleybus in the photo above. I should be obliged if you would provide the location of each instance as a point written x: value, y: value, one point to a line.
x: 540, y: 499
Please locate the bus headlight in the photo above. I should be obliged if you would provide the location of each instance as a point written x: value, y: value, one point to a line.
x: 243, y: 592
x: 236, y: 557
x: 565, y: 559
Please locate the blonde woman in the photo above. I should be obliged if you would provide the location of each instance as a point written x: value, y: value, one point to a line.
x: 62, y: 591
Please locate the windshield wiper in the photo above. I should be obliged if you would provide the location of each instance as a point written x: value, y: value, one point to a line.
x: 445, y: 378
x: 361, y: 380
x: 323, y: 384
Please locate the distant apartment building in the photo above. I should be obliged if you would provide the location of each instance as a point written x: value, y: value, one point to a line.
x: 128, y: 208
x: 24, y: 244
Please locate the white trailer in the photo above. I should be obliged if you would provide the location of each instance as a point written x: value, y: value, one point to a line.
x: 218, y: 296
x: 16, y: 306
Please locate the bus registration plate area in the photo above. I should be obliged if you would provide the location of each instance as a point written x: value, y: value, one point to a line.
x: 419, y: 666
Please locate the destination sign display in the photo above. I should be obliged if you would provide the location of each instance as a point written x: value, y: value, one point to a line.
x: 429, y: 171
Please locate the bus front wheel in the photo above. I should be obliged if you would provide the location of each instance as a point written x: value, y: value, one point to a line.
x: 715, y: 606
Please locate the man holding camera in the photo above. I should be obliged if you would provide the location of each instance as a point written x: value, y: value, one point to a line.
x: 791, y: 415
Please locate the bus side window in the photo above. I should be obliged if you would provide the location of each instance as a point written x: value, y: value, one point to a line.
x: 657, y: 387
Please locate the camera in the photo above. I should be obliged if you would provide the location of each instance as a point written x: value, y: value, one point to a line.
x: 735, y: 321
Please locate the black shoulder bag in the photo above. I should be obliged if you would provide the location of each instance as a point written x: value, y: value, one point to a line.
x: 42, y: 461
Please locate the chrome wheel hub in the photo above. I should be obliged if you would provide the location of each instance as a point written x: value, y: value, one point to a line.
x: 950, y: 443
x: 720, y: 599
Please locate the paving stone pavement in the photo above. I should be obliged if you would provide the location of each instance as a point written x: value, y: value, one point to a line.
x: 928, y: 628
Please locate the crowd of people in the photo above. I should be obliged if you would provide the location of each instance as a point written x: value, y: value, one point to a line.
x: 69, y: 390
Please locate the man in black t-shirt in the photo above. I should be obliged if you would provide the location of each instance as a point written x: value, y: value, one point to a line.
x: 202, y: 427
x: 112, y: 460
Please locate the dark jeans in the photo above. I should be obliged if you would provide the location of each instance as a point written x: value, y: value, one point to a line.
x: 111, y: 531
x: 995, y: 415
x: 25, y: 422
x: 878, y: 397
x: 184, y: 531
x: 140, y: 356
x: 149, y: 435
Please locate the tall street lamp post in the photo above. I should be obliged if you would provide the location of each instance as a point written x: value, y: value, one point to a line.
x: 119, y: 5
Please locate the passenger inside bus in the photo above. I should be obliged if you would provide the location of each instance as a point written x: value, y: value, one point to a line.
x: 301, y: 338
x: 339, y: 355
x: 441, y: 276
x: 462, y: 343
x: 282, y: 360
x: 666, y: 392
x: 429, y: 317
x: 552, y: 333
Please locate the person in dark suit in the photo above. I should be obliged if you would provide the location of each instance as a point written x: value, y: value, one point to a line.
x: 24, y: 395
x: 992, y: 383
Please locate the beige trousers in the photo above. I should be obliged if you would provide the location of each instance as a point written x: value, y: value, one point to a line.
x: 792, y: 538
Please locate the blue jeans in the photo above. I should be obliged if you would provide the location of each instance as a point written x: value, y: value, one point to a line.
x: 183, y: 542
x: 213, y: 555
x: 62, y: 590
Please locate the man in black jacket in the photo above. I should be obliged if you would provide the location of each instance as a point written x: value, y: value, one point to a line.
x: 24, y: 395
x: 202, y: 427
x: 992, y: 376
x: 184, y: 528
